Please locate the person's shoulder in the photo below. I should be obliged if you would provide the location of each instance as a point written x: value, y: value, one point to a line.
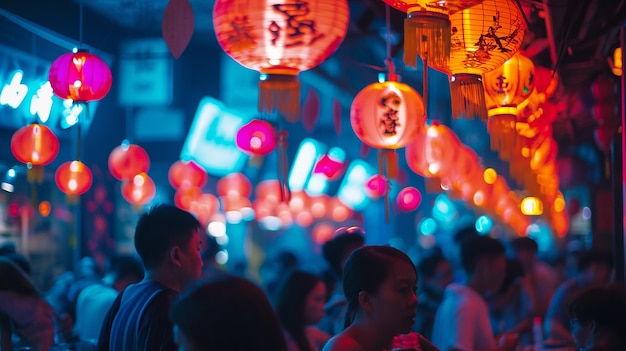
x: 342, y: 342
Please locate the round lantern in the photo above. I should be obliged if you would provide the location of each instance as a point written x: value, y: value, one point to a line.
x: 376, y: 186
x: 186, y: 196
x: 269, y: 191
x: 183, y: 174
x: 205, y: 206
x: 258, y: 137
x: 409, y: 199
x: 139, y: 190
x: 73, y: 178
x: 483, y: 38
x: 509, y: 85
x: 280, y: 38
x: 35, y: 144
x: 433, y: 152
x: 427, y: 28
x: 80, y: 76
x: 128, y: 160
x: 234, y: 185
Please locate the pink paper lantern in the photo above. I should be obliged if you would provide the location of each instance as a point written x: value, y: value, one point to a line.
x: 257, y: 137
x: 80, y: 76
x: 376, y: 186
x: 139, y: 190
x: 409, y: 199
x: 329, y: 167
x: 184, y: 174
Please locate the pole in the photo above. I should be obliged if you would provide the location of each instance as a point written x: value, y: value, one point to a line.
x: 618, y: 180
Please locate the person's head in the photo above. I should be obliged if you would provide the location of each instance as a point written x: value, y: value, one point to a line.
x: 123, y: 271
x: 300, y: 302
x: 226, y: 313
x: 168, y: 238
x: 510, y: 287
x: 435, y: 272
x: 597, y: 318
x: 379, y: 283
x: 525, y: 250
x: 337, y: 249
x: 13, y: 278
x: 595, y: 267
x: 484, y: 262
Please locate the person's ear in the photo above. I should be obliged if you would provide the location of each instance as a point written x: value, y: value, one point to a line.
x: 175, y: 256
x: 365, y: 301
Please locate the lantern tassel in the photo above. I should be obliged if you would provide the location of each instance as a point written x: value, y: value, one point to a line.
x: 427, y: 33
x: 502, y: 134
x: 280, y: 92
x: 283, y: 167
x: 381, y: 170
x: 468, y: 96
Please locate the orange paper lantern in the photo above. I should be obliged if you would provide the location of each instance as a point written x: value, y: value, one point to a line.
x: 433, y: 152
x: 280, y: 38
x: 483, y: 38
x: 73, y: 178
x: 139, y: 190
x: 427, y: 28
x: 35, y: 144
x: 234, y: 185
x: 184, y: 174
x: 509, y: 85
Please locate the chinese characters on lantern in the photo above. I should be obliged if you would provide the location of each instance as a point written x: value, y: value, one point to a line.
x: 297, y: 25
x: 391, y: 104
x: 241, y: 35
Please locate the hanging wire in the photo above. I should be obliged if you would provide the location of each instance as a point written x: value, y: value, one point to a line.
x: 80, y: 25
x: 389, y: 60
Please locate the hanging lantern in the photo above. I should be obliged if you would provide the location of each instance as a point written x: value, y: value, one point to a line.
x: 234, y: 185
x: 205, y: 206
x: 329, y: 166
x: 427, y: 28
x: 483, y: 38
x: 269, y: 191
x: 139, y: 190
x: 387, y: 116
x: 433, y: 152
x: 80, y: 76
x: 185, y: 196
x: 73, y: 178
x: 280, y: 38
x: 377, y: 186
x: 258, y: 137
x: 36, y: 146
x: 409, y: 199
x: 128, y: 160
x: 183, y: 174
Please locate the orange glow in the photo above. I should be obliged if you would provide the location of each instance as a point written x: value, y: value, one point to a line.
x: 490, y: 175
x: 45, y: 208
x: 532, y: 206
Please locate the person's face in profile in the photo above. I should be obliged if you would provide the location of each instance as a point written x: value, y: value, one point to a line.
x: 191, y: 258
x: 183, y: 342
x: 314, y: 304
x: 395, y: 302
x: 582, y: 333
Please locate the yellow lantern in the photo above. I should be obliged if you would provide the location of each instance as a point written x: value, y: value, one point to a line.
x: 483, y: 38
x: 505, y: 88
x: 427, y: 28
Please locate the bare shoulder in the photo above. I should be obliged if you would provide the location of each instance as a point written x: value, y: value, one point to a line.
x: 342, y: 342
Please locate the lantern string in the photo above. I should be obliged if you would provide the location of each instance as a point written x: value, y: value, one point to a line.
x: 389, y: 59
x: 80, y: 25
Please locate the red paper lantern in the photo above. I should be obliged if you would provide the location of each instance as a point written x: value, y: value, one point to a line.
x: 205, y: 206
x: 409, y: 199
x: 35, y: 144
x: 269, y: 191
x: 139, y: 190
x: 185, y: 196
x: 128, y: 160
x: 80, y: 76
x: 234, y: 185
x: 184, y: 174
x: 257, y: 137
x: 433, y: 152
x: 280, y: 38
x: 546, y: 81
x: 73, y: 178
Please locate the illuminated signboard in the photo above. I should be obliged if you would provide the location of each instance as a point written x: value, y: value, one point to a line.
x: 211, y: 139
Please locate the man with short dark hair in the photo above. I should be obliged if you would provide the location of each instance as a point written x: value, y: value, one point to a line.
x: 434, y: 275
x: 168, y: 241
x: 462, y: 320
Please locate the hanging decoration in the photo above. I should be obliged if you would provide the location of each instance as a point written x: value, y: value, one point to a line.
x: 433, y: 153
x: 310, y: 110
x: 505, y: 88
x: 139, y: 190
x: 36, y: 146
x: 409, y: 199
x: 483, y: 38
x: 80, y: 76
x: 257, y: 137
x: 177, y: 26
x: 128, y: 160
x: 280, y: 39
x: 427, y: 28
x: 186, y: 174
x: 73, y: 178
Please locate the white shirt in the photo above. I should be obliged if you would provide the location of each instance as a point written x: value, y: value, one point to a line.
x: 92, y: 305
x: 462, y: 321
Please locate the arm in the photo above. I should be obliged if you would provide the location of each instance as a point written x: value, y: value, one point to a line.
x: 107, y: 323
x: 156, y: 328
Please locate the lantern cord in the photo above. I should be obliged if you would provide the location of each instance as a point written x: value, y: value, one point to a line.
x: 389, y: 60
x: 80, y: 25
x: 425, y: 83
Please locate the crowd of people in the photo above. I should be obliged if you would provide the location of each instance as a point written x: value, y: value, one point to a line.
x: 487, y: 295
